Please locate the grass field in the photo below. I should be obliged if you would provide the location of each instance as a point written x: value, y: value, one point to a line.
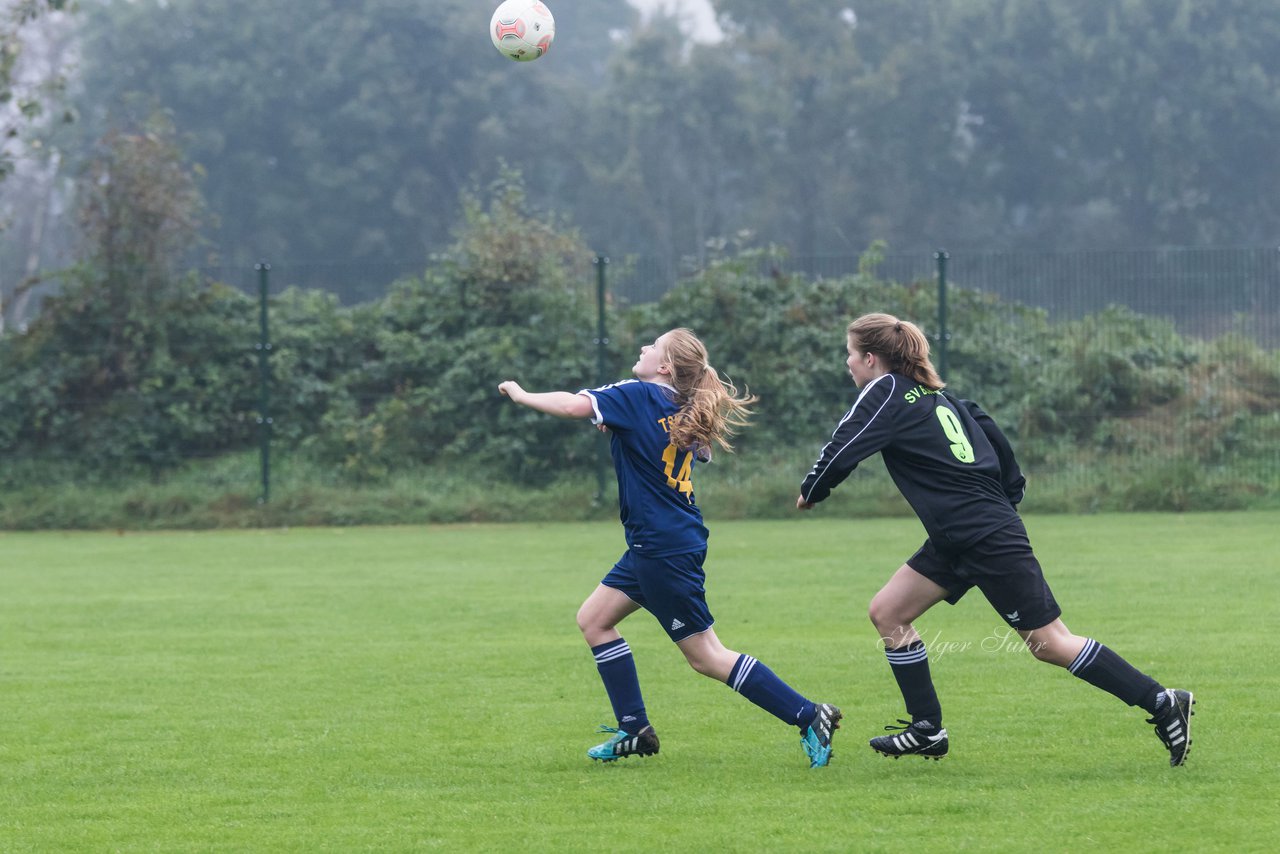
x: 417, y: 689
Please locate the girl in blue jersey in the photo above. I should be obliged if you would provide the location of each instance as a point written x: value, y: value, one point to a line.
x: 661, y: 424
x: 957, y: 471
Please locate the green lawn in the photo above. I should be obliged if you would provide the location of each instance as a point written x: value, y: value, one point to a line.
x: 410, y: 689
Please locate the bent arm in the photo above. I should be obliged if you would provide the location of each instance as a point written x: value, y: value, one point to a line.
x: 562, y: 404
x: 1012, y: 480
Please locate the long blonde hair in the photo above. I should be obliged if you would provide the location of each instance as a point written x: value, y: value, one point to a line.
x: 710, y: 408
x: 901, y: 344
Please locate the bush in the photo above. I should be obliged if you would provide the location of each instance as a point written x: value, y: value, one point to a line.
x: 507, y: 303
x: 146, y: 389
x: 108, y: 384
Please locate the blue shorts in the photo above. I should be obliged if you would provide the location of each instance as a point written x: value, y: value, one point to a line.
x: 1003, y: 567
x: 670, y: 588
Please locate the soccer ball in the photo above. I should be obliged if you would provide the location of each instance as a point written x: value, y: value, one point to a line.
x: 522, y: 29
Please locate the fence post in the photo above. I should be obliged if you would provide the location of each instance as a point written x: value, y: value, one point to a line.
x: 264, y: 380
x: 943, y: 336
x: 602, y: 344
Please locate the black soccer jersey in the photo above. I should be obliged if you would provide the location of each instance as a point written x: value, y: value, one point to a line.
x: 948, y: 458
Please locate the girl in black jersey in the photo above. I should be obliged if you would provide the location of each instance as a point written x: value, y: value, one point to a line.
x: 958, y: 472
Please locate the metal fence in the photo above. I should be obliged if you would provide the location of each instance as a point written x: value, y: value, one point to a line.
x: 1203, y: 292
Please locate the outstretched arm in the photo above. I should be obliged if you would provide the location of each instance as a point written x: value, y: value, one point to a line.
x: 561, y: 404
x: 864, y: 430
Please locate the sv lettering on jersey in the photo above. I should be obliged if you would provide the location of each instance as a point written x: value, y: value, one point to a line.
x: 918, y: 393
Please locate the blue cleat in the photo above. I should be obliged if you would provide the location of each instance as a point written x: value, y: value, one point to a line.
x: 623, y: 743
x: 816, y: 740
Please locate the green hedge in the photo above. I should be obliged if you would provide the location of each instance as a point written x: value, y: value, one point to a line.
x: 102, y: 391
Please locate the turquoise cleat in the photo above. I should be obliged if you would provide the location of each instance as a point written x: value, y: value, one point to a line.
x: 816, y: 740
x: 623, y: 743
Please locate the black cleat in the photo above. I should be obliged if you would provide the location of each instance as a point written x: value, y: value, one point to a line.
x: 623, y: 743
x: 1173, y: 724
x: 914, y: 740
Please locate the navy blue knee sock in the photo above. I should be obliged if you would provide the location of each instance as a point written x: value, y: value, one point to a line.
x: 618, y: 672
x: 762, y: 686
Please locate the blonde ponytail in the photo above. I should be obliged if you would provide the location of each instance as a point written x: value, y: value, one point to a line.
x: 711, y: 409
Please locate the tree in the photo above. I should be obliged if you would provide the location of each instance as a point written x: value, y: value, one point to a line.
x: 21, y: 102
x: 1139, y: 122
x: 133, y: 363
x: 339, y: 131
x: 664, y: 150
x: 140, y: 213
x: 31, y: 59
x: 510, y: 299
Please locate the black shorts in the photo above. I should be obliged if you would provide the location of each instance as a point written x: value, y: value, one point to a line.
x: 1003, y: 567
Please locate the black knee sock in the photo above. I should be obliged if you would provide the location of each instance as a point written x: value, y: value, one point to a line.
x: 911, y: 668
x: 1102, y: 668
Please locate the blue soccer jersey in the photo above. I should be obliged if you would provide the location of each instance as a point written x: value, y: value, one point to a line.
x: 655, y: 478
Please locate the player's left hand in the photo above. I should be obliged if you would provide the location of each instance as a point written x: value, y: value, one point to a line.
x: 801, y: 504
